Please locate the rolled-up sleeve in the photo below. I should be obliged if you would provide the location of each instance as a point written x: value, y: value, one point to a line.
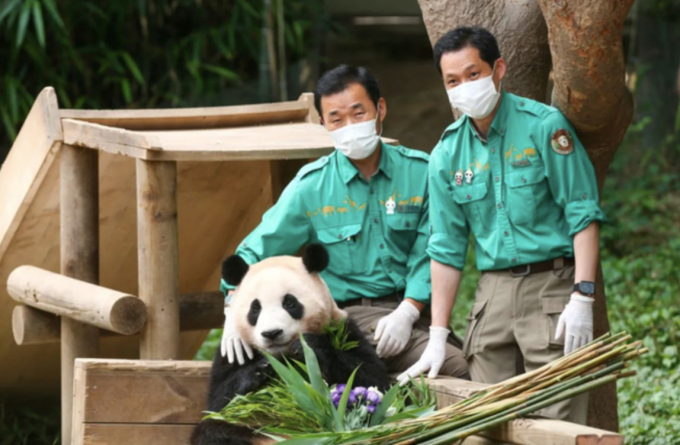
x: 418, y: 285
x: 450, y: 231
x: 570, y: 174
x: 284, y: 230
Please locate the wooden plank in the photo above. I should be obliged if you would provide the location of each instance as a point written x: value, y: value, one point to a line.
x: 79, y: 223
x: 112, y: 140
x: 157, y: 236
x: 108, y: 434
x: 193, y: 118
x: 76, y: 299
x: 529, y: 431
x: 28, y: 162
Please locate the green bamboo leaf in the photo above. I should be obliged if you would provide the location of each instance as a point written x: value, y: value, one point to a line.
x: 38, y: 22
x: 24, y: 16
x: 8, y: 8
x: 132, y: 66
x: 248, y: 8
x: 313, y: 369
x: 342, y: 406
x: 52, y: 10
x: 127, y: 93
x: 6, y: 119
x: 379, y: 415
x: 224, y: 72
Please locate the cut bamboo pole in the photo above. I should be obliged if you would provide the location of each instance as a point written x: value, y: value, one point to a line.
x: 79, y: 219
x: 197, y: 312
x: 77, y: 300
x: 158, y: 258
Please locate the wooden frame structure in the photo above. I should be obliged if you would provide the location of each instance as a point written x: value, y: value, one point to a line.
x: 68, y: 249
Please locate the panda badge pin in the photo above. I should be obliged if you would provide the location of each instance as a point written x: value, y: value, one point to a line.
x: 468, y: 176
x: 390, y: 205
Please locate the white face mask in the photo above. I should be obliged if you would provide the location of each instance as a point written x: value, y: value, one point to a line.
x: 357, y: 141
x: 475, y: 98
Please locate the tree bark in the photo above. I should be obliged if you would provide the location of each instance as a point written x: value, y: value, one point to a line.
x: 519, y: 28
x: 585, y: 42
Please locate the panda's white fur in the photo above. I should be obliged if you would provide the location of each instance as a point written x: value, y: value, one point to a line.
x: 268, y: 282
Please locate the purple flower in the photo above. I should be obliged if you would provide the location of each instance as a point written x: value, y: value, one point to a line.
x: 340, y: 388
x: 352, y: 398
x: 371, y: 408
x: 360, y: 392
x: 373, y: 397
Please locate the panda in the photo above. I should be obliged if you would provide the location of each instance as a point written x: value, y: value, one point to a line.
x: 276, y: 300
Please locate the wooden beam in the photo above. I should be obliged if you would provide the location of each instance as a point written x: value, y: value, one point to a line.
x: 158, y: 257
x: 197, y: 312
x: 194, y: 118
x: 77, y: 300
x: 112, y: 140
x: 79, y: 221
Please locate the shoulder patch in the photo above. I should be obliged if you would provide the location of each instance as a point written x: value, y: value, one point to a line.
x: 413, y: 154
x: 562, y: 142
x: 313, y: 166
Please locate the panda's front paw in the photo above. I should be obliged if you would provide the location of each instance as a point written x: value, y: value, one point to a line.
x: 263, y: 371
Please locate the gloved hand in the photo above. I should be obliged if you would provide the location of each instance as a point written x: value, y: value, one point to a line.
x: 394, y: 330
x: 231, y: 341
x: 433, y: 357
x: 576, y: 322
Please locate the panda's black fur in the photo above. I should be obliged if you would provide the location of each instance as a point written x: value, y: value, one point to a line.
x: 228, y: 380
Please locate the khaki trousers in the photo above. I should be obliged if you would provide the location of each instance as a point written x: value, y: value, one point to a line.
x: 511, y: 329
x: 367, y: 317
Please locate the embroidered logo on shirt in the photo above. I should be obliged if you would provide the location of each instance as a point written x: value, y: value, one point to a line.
x: 562, y: 142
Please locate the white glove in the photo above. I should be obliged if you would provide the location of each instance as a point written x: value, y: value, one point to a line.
x: 577, y: 321
x: 231, y: 341
x: 433, y: 357
x: 394, y: 330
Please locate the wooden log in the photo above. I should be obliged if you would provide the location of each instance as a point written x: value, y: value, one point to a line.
x: 78, y: 300
x: 197, y: 312
x: 79, y: 237
x: 158, y: 257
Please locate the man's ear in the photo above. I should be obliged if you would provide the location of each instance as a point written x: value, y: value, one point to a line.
x: 234, y: 269
x: 501, y: 69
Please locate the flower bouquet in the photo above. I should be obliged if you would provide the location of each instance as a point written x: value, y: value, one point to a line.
x: 301, y: 409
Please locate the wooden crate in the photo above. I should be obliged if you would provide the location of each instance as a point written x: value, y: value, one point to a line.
x: 158, y: 402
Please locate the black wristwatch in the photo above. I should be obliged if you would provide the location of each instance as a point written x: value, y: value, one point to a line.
x: 586, y: 288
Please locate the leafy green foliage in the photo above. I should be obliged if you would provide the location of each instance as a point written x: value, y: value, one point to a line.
x: 337, y: 332
x: 34, y: 424
x: 136, y: 53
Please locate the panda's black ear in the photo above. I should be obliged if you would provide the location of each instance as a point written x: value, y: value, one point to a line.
x: 234, y: 269
x: 315, y: 258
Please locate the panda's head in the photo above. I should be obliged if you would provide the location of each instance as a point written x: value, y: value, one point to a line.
x: 280, y: 297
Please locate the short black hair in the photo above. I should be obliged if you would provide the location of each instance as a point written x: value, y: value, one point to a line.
x: 464, y: 36
x: 341, y: 77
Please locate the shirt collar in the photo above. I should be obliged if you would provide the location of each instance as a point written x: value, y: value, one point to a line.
x: 499, y: 120
x: 348, y: 171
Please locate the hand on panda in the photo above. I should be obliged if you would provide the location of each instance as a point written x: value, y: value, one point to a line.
x: 394, y: 330
x: 231, y: 341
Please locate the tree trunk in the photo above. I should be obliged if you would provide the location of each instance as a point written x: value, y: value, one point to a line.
x: 585, y: 42
x: 517, y: 24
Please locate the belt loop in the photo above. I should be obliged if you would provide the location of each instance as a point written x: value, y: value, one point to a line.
x: 365, y: 301
x: 559, y: 263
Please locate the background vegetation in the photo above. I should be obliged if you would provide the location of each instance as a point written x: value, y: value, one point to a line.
x: 164, y: 53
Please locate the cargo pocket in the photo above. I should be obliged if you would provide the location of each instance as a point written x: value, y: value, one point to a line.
x: 521, y: 206
x: 337, y: 241
x: 471, y: 199
x: 553, y: 307
x: 473, y: 318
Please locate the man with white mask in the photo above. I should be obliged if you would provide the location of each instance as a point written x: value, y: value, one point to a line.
x: 530, y: 199
x: 367, y: 203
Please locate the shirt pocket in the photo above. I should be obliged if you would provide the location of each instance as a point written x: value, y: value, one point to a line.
x: 338, y: 242
x: 521, y: 194
x: 471, y: 199
x: 403, y: 229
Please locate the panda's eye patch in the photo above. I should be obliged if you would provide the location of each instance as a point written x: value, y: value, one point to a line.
x: 254, y: 312
x: 293, y: 306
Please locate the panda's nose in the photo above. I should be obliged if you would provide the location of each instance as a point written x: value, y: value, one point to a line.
x: 273, y: 334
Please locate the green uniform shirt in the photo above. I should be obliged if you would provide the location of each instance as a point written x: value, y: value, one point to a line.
x: 532, y: 188
x: 375, y: 233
